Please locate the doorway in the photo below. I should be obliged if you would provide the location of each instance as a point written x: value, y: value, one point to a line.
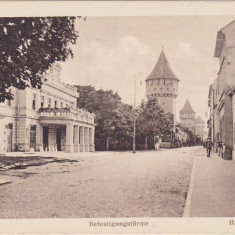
x: 45, y: 138
x: 33, y: 137
x: 58, y: 139
x: 9, y: 132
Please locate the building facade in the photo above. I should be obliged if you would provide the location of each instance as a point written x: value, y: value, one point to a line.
x: 221, y: 93
x: 199, y: 128
x: 162, y: 85
x: 46, y: 119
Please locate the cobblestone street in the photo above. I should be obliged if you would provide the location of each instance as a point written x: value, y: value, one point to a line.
x: 145, y: 184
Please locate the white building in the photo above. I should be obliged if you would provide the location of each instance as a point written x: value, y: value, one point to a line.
x: 46, y: 119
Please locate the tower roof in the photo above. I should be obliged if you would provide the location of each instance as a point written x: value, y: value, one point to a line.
x: 187, y: 107
x: 199, y: 120
x: 162, y: 69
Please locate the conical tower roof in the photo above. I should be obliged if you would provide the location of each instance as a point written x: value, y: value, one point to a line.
x: 187, y: 107
x: 162, y: 69
x: 199, y: 120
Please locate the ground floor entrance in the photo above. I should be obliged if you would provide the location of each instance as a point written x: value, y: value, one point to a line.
x: 68, y: 138
x: 26, y: 134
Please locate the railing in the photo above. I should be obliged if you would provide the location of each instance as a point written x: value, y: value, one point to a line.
x: 66, y: 113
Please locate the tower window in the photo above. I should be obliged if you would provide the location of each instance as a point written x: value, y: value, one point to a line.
x: 34, y: 101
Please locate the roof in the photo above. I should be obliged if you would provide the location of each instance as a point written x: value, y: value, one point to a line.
x: 199, y: 120
x: 187, y: 107
x: 162, y: 69
x: 220, y: 38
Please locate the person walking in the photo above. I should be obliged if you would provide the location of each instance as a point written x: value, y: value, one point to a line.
x: 220, y: 149
x: 209, y: 145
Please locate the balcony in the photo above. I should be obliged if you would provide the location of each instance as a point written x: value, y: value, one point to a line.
x: 66, y: 114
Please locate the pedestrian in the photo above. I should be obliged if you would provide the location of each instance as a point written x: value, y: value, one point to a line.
x: 156, y: 143
x: 220, y: 148
x: 223, y: 150
x: 209, y: 145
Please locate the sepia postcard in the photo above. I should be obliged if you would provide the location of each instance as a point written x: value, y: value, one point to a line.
x: 117, y: 117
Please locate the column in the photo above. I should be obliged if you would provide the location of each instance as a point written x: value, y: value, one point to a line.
x: 86, y: 139
x: 91, y: 138
x: 76, y: 139
x: 69, y: 139
x: 40, y: 138
x: 81, y: 134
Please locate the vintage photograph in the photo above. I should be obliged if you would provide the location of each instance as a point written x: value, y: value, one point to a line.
x: 117, y: 117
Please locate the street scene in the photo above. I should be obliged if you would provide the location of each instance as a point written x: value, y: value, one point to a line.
x: 117, y: 117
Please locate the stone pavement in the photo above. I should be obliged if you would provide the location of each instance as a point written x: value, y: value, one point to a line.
x: 58, y: 154
x: 212, y: 187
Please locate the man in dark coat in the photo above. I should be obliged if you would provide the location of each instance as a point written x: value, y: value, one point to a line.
x: 209, y: 145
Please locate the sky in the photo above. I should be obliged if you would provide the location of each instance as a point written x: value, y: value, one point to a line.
x: 113, y: 52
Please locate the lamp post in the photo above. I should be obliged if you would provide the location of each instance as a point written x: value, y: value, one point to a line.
x: 134, y: 117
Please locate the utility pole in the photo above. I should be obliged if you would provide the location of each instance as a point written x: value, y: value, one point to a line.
x: 134, y: 117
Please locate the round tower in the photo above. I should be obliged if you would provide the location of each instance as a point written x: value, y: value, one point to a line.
x: 162, y: 85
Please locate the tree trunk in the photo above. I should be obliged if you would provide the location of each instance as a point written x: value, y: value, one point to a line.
x: 107, y: 143
x: 115, y: 144
x: 146, y: 143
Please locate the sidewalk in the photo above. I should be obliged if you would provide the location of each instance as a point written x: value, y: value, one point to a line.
x: 212, y: 187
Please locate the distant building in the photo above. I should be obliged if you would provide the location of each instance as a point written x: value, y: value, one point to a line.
x: 221, y: 99
x: 187, y: 116
x: 199, y: 127
x: 188, y: 120
x: 162, y: 85
x: 46, y: 119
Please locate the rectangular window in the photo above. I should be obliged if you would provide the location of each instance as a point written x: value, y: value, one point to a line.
x: 9, y: 102
x: 42, y: 101
x: 61, y: 104
x: 34, y: 102
x: 49, y: 102
x: 55, y: 104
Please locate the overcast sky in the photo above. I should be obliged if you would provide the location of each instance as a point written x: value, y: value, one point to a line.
x: 112, y: 52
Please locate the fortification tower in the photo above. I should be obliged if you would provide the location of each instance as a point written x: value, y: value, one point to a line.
x: 187, y: 116
x: 162, y: 85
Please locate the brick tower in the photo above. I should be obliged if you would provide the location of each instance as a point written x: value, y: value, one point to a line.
x: 187, y: 116
x: 162, y: 85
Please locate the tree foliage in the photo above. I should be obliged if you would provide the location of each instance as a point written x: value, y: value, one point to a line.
x: 190, y: 135
x: 153, y: 121
x: 29, y: 45
x: 114, y: 119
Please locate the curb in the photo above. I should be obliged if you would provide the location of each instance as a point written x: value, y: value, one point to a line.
x: 187, y: 205
x: 2, y: 181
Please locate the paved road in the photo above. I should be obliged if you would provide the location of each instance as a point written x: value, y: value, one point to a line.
x: 145, y: 184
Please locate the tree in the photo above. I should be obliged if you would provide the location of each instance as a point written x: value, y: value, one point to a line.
x: 153, y: 121
x: 114, y: 121
x: 28, y: 46
x: 190, y: 135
